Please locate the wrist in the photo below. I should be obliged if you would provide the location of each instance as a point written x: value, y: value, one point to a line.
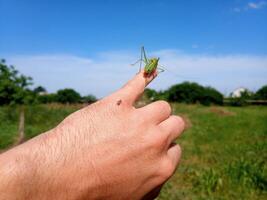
x: 39, y: 169
x: 21, y: 170
x: 16, y: 174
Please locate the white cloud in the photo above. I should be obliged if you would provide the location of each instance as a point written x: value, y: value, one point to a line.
x: 110, y: 70
x: 251, y: 6
x: 256, y: 5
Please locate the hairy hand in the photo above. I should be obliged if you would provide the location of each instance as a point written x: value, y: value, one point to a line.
x: 108, y: 150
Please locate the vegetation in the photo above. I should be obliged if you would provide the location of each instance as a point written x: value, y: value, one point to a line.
x: 187, y: 92
x: 193, y: 93
x: 224, y: 154
x: 242, y: 100
x: 14, y: 86
x: 68, y: 96
x: 14, y: 90
x: 224, y: 150
x: 39, y: 90
x: 47, y: 98
x: 247, y: 96
x: 89, y: 99
x: 39, y: 118
x: 261, y: 93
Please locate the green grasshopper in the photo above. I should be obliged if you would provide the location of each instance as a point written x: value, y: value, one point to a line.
x: 151, y: 64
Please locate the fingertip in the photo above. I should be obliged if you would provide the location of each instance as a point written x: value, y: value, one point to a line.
x: 180, y: 121
x: 145, y: 77
x: 136, y: 86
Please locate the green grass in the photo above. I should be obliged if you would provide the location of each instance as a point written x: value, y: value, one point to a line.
x: 224, y: 154
x: 38, y: 119
x: 224, y: 148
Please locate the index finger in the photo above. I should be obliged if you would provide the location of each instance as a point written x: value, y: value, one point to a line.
x: 131, y: 91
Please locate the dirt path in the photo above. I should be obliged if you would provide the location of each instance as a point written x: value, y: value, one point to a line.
x: 21, y: 133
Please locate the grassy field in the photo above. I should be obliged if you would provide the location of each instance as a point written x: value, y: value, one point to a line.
x: 224, y: 148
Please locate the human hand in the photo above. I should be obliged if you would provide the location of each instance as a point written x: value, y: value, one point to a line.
x: 108, y: 150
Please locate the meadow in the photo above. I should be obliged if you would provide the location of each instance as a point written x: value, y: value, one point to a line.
x: 224, y: 148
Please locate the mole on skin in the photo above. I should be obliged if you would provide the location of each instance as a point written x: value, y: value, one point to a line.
x: 119, y: 102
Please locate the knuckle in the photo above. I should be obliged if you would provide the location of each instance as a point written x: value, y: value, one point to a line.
x: 156, y: 140
x: 167, y: 169
x: 165, y: 106
x: 179, y: 120
x: 177, y: 148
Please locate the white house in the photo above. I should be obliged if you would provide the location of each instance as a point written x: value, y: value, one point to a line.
x: 238, y: 92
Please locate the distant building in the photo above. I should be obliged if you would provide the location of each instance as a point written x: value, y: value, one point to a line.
x: 238, y: 92
x: 43, y: 93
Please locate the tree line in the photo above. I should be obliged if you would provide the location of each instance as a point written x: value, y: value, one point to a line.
x: 15, y: 89
x: 192, y: 93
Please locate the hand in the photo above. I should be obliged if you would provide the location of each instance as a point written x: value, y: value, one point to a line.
x: 108, y: 150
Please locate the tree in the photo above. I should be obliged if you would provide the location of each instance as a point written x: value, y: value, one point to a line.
x: 242, y: 100
x: 89, y: 98
x: 261, y: 94
x: 211, y: 95
x: 188, y: 92
x: 68, y: 96
x: 39, y: 90
x: 185, y: 92
x: 47, y: 98
x: 14, y: 91
x: 153, y: 95
x: 150, y: 94
x: 14, y: 86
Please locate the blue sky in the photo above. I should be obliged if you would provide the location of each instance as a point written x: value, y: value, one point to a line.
x: 222, y: 43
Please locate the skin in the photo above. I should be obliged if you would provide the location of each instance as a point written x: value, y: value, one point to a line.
x: 104, y: 151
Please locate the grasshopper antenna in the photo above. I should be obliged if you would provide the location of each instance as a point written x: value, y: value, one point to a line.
x: 140, y: 67
x: 137, y: 62
x: 162, y: 69
x: 141, y: 59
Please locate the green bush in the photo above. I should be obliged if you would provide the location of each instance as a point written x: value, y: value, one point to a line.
x: 68, y: 96
x: 211, y: 96
x: 185, y: 92
x: 242, y: 100
x: 89, y: 98
x: 194, y: 93
x: 150, y: 94
x: 39, y: 90
x: 261, y: 93
x: 47, y: 98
